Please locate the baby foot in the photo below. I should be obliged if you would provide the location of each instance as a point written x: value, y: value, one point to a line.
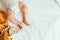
x: 20, y: 25
x: 27, y: 23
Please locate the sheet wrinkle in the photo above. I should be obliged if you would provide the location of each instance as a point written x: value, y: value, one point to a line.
x: 44, y: 16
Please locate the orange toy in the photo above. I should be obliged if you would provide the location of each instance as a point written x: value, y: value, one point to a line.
x: 3, y: 25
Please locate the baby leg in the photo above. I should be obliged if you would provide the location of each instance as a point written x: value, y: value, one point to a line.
x: 23, y: 9
x: 10, y: 14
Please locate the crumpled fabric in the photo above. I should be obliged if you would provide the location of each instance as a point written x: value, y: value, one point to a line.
x: 44, y: 17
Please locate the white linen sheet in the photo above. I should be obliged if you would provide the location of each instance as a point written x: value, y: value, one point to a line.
x: 44, y: 16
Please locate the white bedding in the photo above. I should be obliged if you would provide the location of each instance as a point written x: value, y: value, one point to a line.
x: 44, y: 15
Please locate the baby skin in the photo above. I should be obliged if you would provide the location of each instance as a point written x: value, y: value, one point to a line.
x: 23, y: 9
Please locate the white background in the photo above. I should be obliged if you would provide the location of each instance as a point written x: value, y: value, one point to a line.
x: 46, y: 16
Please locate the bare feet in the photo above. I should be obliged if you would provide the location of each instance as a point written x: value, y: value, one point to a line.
x: 19, y: 25
x: 27, y: 23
